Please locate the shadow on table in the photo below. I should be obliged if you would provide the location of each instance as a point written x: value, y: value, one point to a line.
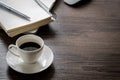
x: 45, y: 32
x: 44, y: 75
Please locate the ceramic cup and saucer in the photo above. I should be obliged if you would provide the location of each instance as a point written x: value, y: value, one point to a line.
x: 29, y: 60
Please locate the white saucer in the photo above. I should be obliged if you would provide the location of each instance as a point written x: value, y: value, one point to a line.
x: 17, y: 64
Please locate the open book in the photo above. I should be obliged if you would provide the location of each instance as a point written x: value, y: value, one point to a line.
x: 14, y: 25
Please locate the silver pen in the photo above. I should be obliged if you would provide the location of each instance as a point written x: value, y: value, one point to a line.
x: 14, y: 11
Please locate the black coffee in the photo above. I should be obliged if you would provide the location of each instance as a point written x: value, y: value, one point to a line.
x: 30, y: 46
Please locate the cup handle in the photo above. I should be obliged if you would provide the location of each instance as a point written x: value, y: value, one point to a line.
x: 13, y: 49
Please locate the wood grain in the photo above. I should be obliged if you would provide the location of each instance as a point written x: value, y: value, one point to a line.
x: 85, y: 40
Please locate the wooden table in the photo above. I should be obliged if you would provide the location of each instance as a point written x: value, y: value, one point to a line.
x: 85, y: 41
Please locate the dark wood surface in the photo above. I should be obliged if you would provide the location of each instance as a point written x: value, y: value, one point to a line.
x: 85, y: 40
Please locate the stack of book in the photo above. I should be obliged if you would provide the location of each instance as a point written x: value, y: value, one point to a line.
x: 34, y: 15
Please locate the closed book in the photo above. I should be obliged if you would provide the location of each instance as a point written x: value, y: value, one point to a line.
x: 13, y: 24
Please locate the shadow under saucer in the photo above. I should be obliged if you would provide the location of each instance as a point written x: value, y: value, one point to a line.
x: 44, y: 75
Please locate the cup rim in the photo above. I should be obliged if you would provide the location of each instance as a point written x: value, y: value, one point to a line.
x: 42, y: 45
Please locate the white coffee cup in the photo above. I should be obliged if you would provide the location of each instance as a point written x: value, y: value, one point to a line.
x: 28, y: 56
